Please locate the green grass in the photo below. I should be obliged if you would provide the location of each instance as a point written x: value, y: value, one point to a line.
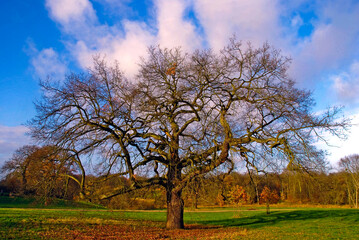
x: 289, y: 224
x: 298, y: 223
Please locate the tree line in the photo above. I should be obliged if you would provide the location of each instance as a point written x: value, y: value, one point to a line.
x: 39, y: 172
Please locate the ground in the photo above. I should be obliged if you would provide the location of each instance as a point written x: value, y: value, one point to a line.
x: 247, y: 222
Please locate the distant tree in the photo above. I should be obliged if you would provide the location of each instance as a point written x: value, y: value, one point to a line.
x: 238, y: 195
x: 350, y: 164
x: 194, y: 190
x: 39, y: 170
x: 19, y: 164
x: 269, y: 196
x: 220, y: 200
x: 185, y: 114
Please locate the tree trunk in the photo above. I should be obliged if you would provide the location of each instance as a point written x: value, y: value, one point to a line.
x: 174, y: 210
x: 196, y: 201
x: 257, y: 194
x: 23, y: 184
x: 174, y: 200
x: 356, y: 197
x: 267, y: 207
x: 350, y: 197
x: 24, y: 181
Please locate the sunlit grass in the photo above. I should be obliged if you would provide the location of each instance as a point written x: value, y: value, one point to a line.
x: 205, y: 223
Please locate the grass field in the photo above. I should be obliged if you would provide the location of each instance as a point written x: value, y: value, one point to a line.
x: 216, y: 223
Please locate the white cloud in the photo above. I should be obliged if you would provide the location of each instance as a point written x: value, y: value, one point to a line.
x: 126, y: 50
x: 11, y: 138
x: 335, y: 30
x: 331, y: 45
x: 346, y: 84
x: 125, y: 42
x: 257, y: 21
x: 251, y: 20
x: 173, y: 30
x: 340, y: 148
x: 77, y: 19
x: 47, y: 63
x: 128, y: 41
x: 66, y: 11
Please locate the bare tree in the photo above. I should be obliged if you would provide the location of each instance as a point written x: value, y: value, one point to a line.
x: 350, y: 164
x: 185, y: 115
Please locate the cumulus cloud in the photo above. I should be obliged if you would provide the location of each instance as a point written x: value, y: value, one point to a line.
x: 124, y: 43
x: 66, y: 11
x: 77, y: 18
x: 335, y: 35
x: 335, y: 30
x: 11, y: 138
x: 126, y: 50
x: 173, y: 30
x: 256, y: 21
x: 47, y: 63
x: 127, y: 41
x: 346, y: 84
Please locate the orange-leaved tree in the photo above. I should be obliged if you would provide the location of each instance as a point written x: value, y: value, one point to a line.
x: 40, y: 171
x: 267, y: 196
x: 238, y: 195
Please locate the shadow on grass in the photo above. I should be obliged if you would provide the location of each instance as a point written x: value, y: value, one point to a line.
x: 276, y: 217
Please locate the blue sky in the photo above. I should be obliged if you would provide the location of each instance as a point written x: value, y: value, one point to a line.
x: 50, y: 38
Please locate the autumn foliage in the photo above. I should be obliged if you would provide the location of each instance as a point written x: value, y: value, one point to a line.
x: 238, y: 195
x: 268, y: 196
x: 38, y: 171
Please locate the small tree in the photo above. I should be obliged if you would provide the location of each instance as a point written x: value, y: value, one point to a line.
x: 267, y: 196
x: 238, y: 195
x: 220, y: 199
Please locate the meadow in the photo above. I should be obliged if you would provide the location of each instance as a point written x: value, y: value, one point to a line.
x: 65, y: 220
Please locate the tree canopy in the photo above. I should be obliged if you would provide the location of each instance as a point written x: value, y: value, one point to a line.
x: 184, y: 115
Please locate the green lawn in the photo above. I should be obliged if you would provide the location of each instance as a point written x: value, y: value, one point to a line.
x: 289, y: 224
x: 298, y: 223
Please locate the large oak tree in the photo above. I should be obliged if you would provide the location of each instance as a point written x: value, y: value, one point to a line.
x: 184, y: 115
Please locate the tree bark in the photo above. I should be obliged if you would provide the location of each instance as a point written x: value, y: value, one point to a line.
x: 174, y: 200
x: 174, y: 210
x: 24, y: 183
x: 196, y: 200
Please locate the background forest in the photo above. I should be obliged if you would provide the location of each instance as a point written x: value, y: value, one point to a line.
x: 36, y: 172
